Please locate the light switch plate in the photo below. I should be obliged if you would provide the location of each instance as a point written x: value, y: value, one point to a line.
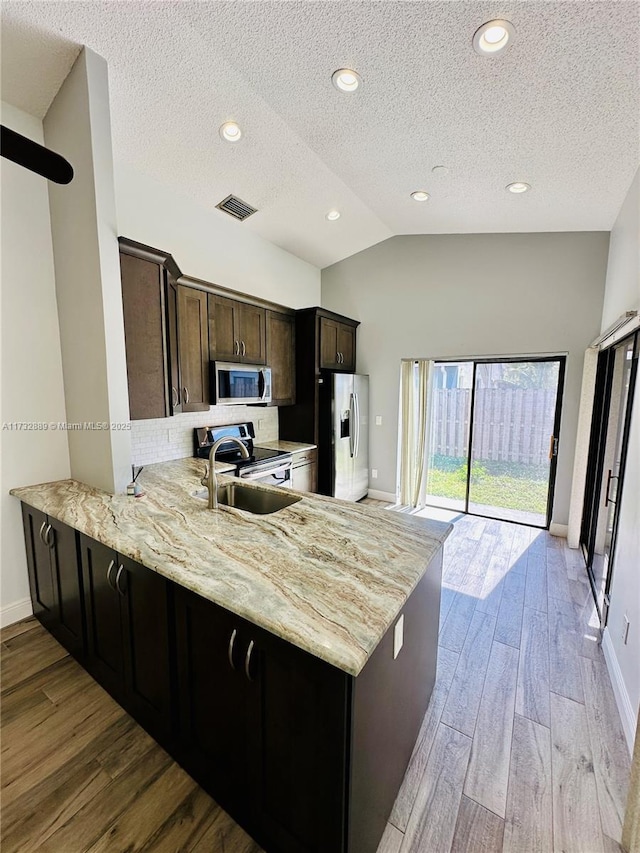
x: 378, y: 420
x: 374, y: 473
x: 625, y: 630
x: 398, y: 636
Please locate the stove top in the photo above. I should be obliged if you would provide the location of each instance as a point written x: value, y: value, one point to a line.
x: 206, y: 437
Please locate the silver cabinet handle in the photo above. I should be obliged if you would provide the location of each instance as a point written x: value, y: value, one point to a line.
x: 185, y: 394
x: 237, y: 347
x: 120, y: 571
x: 244, y: 349
x: 47, y: 531
x: 337, y: 358
x: 111, y: 565
x: 42, y: 527
x: 247, y: 661
x: 175, y: 397
x: 232, y: 640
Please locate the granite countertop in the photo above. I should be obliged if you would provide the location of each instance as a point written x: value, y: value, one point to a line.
x: 287, y: 446
x: 328, y: 576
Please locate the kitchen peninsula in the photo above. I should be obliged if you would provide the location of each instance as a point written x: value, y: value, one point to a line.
x: 285, y: 660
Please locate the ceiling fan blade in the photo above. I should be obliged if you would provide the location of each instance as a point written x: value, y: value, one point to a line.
x: 25, y: 152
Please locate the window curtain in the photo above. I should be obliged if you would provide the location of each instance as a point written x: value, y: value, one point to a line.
x: 415, y: 414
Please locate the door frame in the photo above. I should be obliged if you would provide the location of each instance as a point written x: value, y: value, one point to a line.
x: 513, y: 359
x: 595, y: 464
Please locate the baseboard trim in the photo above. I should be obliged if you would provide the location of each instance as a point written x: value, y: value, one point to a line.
x: 381, y: 496
x: 561, y: 530
x: 11, y: 613
x: 623, y: 702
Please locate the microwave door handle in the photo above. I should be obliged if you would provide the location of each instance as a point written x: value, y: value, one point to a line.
x: 262, y: 384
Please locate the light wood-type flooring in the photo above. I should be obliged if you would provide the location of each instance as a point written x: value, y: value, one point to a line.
x: 521, y: 748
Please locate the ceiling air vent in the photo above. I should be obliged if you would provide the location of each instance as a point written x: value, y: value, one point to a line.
x: 235, y: 207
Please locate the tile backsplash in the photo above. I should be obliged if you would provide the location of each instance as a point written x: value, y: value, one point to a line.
x: 162, y: 439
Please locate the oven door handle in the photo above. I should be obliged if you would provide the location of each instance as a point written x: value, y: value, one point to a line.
x: 266, y: 472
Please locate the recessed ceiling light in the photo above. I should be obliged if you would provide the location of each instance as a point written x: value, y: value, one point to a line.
x: 440, y: 170
x: 346, y: 80
x: 333, y: 215
x: 420, y: 195
x: 493, y: 37
x: 518, y: 187
x: 230, y: 131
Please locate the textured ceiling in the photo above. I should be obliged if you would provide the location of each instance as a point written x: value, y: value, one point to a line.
x: 558, y: 109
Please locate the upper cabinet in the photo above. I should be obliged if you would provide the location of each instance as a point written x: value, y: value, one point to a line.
x: 166, y: 335
x: 237, y: 331
x: 281, y: 357
x: 193, y: 349
x: 143, y: 303
x: 337, y: 345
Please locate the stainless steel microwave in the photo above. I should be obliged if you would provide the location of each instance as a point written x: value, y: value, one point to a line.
x: 241, y: 384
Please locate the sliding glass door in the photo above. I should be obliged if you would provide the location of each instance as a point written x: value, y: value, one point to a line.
x: 493, y: 437
x: 615, y: 382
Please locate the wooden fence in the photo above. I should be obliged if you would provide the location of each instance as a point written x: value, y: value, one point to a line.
x: 510, y: 424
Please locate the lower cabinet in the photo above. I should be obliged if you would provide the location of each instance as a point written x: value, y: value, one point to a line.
x: 262, y: 728
x: 304, y: 471
x: 54, y: 578
x: 128, y: 631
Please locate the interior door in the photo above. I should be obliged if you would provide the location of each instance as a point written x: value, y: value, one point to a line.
x: 609, y: 439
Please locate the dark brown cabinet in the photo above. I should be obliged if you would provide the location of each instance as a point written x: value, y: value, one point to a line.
x: 193, y: 349
x: 54, y: 578
x: 337, y: 345
x: 261, y: 728
x: 237, y: 331
x: 127, y: 612
x: 281, y: 357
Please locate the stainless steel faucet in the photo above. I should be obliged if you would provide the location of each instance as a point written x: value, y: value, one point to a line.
x: 210, y: 479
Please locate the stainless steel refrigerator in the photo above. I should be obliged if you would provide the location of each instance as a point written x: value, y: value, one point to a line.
x: 345, y: 424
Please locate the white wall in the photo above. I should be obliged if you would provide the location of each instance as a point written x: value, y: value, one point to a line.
x: 470, y: 295
x: 31, y: 364
x: 209, y: 245
x: 84, y: 231
x: 623, y: 294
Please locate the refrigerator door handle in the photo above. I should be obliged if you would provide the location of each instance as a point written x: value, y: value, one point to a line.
x: 357, y: 423
x: 352, y: 421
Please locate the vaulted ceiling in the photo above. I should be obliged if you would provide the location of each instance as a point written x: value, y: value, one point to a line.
x: 559, y: 109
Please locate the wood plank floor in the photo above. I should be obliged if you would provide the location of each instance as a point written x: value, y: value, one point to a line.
x: 521, y: 748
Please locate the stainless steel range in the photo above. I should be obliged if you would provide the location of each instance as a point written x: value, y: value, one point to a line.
x: 264, y: 465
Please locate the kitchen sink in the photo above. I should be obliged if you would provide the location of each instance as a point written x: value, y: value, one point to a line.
x: 256, y: 501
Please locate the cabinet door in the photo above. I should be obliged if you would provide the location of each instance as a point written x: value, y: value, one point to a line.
x: 216, y: 700
x: 193, y: 349
x: 173, y: 355
x: 303, y: 477
x: 301, y: 748
x: 347, y: 347
x: 105, y: 648
x: 144, y: 330
x: 65, y: 565
x: 252, y: 333
x: 281, y: 358
x: 146, y: 639
x: 223, y: 339
x: 328, y: 343
x: 41, y: 585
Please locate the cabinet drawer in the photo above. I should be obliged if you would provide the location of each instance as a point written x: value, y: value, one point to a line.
x: 304, y: 457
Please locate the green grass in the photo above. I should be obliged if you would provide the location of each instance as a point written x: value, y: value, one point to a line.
x: 501, y: 484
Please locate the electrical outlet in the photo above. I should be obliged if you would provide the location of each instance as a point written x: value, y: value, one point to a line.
x: 378, y: 420
x: 168, y: 436
x: 261, y: 423
x: 398, y: 636
x: 625, y: 629
x: 374, y: 473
